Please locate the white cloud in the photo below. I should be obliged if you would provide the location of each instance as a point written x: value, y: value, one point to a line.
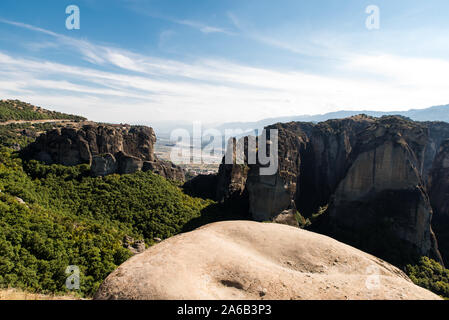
x: 146, y: 89
x: 417, y: 72
x: 306, y: 46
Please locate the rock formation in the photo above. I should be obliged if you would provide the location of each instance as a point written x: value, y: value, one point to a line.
x: 438, y: 132
x: 107, y: 148
x: 165, y: 169
x: 382, y: 200
x: 287, y: 217
x: 280, y: 263
x: 135, y: 246
x: 439, y: 196
x: 372, y: 175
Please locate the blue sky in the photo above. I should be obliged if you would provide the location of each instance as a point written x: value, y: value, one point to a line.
x: 223, y: 60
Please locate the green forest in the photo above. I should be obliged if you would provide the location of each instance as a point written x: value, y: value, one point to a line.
x: 17, y: 110
x: 69, y: 218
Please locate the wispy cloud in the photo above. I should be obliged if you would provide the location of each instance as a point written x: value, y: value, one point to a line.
x: 202, y: 27
x: 305, y: 47
x: 29, y: 27
x: 143, y: 88
x: 87, y: 49
x: 198, y: 25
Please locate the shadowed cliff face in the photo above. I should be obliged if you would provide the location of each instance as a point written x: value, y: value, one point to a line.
x: 107, y: 148
x: 438, y: 133
x: 439, y: 196
x: 370, y: 173
x: 325, y: 161
x: 381, y: 205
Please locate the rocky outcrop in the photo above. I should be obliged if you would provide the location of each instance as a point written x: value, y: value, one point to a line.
x: 128, y: 164
x: 135, y: 246
x: 382, y: 200
x: 439, y: 196
x: 165, y: 169
x: 107, y: 148
x: 248, y: 260
x: 372, y: 175
x: 103, y: 165
x: 287, y: 217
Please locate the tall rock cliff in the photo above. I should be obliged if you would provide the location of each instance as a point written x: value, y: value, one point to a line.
x: 371, y: 174
x: 381, y: 204
x: 439, y: 196
x: 107, y: 148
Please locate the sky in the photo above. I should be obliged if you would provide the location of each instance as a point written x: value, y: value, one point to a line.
x: 214, y: 61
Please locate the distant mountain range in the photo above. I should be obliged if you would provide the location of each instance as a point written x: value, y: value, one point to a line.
x: 436, y: 113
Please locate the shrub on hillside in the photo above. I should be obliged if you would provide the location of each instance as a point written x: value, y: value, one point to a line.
x: 431, y: 275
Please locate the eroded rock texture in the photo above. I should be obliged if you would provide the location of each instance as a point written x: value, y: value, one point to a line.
x: 370, y: 176
x: 107, y: 148
x: 249, y: 260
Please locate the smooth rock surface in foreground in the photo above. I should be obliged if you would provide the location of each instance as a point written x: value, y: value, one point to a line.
x: 250, y: 260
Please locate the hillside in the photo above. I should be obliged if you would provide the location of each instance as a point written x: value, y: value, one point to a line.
x: 18, y: 110
x: 53, y: 216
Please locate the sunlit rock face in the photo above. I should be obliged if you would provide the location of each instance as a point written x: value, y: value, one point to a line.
x: 250, y: 260
x: 107, y: 148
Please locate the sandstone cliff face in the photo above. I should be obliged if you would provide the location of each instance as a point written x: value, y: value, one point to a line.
x: 271, y: 195
x: 372, y: 174
x: 107, y: 148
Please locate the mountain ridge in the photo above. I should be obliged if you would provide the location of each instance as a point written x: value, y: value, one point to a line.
x: 434, y: 113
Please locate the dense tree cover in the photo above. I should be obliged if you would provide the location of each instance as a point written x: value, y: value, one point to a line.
x: 431, y: 275
x: 37, y: 245
x: 17, y: 110
x: 70, y: 218
x: 22, y: 134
